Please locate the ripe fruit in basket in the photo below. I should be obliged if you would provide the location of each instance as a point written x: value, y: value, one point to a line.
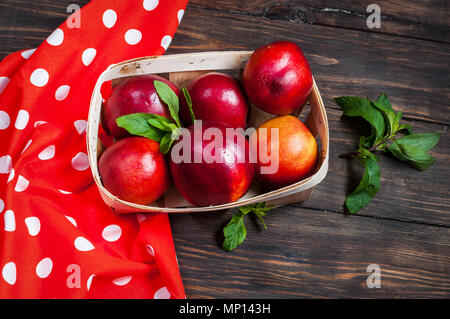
x: 297, y: 149
x: 135, y: 95
x: 277, y: 78
x: 135, y: 170
x: 211, y: 170
x: 216, y: 97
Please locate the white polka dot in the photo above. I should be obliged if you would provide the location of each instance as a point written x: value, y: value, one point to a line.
x: 33, y: 225
x: 88, y: 55
x: 39, y: 77
x: 112, y: 233
x: 4, y: 120
x: 89, y: 282
x: 109, y: 18
x: 64, y: 192
x: 162, y: 293
x: 22, y: 184
x: 22, y: 119
x: 5, y: 164
x: 180, y: 15
x: 62, y: 92
x: 44, y: 268
x: 56, y: 38
x: 165, y: 42
x: 47, y: 153
x: 82, y: 244
x: 150, y: 5
x: 72, y: 220
x: 122, y: 281
x: 2, y: 205
x: 80, y: 126
x: 133, y: 36
x: 80, y: 162
x: 11, y: 175
x: 150, y: 250
x: 9, y: 273
x: 10, y: 221
x: 26, y: 54
x: 26, y: 146
x: 3, y: 83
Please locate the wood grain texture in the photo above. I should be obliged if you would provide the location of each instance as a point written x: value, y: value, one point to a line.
x: 415, y: 19
x: 305, y: 253
x: 313, y: 249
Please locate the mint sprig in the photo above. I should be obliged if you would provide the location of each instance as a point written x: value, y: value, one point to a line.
x: 153, y: 126
x: 235, y: 231
x: 385, y: 136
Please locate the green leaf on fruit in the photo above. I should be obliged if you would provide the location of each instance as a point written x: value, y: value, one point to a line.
x: 166, y: 143
x: 168, y: 96
x: 137, y: 124
x: 187, y: 96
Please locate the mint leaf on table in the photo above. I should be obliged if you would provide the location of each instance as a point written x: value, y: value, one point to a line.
x: 362, y: 107
x: 235, y: 231
x: 367, y: 188
x: 413, y: 148
x: 410, y: 148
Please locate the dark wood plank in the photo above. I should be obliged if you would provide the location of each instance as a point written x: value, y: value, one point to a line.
x: 413, y: 73
x: 312, y: 254
x: 25, y: 24
x: 421, y: 19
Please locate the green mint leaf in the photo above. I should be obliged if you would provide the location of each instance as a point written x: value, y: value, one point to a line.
x: 368, y: 141
x: 246, y: 209
x: 384, y: 102
x: 260, y: 214
x: 355, y: 106
x: 234, y: 232
x: 168, y: 96
x: 397, y: 152
x: 416, y: 156
x: 365, y: 153
x: 157, y: 124
x: 187, y: 96
x: 390, y: 118
x: 424, y: 141
x: 405, y: 127
x: 137, y: 124
x: 166, y: 143
x: 367, y: 188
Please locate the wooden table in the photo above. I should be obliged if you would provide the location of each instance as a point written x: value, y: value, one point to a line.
x: 315, y: 249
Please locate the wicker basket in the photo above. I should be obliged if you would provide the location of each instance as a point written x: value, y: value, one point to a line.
x: 180, y: 69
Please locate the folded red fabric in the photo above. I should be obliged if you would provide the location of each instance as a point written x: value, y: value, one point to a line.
x: 57, y: 237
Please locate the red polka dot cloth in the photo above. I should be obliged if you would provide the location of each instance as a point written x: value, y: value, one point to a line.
x: 58, y: 239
